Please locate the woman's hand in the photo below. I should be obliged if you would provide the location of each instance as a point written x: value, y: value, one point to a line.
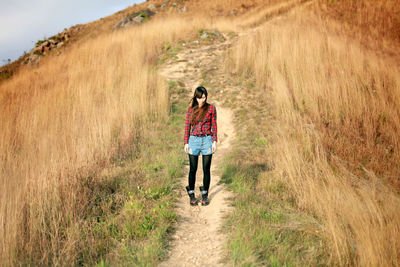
x: 186, y: 148
x: 214, y: 146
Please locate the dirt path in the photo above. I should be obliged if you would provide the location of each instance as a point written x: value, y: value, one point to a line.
x: 197, y: 239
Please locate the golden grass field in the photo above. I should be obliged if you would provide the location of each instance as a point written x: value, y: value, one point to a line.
x: 335, y: 102
x: 67, y: 117
x: 336, y: 139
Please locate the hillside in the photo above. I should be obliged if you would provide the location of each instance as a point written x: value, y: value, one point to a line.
x: 306, y: 171
x: 81, y: 33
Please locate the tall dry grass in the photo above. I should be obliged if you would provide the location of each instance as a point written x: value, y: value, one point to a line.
x: 336, y: 140
x: 265, y: 11
x: 64, y: 120
x: 379, y: 18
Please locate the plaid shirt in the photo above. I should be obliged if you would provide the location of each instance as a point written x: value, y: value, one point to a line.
x: 207, y: 127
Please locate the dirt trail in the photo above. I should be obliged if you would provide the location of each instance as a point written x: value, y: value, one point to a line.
x: 197, y: 239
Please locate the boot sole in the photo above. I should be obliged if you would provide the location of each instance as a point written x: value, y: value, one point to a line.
x: 205, y: 203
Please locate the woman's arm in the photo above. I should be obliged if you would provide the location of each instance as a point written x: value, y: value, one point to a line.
x: 187, y: 126
x: 214, y: 125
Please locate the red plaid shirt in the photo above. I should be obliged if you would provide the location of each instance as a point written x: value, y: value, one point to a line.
x: 207, y: 127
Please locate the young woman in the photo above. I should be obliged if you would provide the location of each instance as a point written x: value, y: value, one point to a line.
x: 200, y: 136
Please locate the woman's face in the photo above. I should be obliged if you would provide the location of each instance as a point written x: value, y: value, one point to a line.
x: 201, y: 100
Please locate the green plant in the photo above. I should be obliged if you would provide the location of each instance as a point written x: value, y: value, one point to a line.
x: 172, y: 85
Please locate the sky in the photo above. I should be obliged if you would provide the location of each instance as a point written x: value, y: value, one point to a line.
x: 28, y: 21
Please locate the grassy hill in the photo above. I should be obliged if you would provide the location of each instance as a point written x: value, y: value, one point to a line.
x: 91, y: 140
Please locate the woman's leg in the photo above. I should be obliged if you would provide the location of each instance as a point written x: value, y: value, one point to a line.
x: 193, y: 160
x: 206, y: 171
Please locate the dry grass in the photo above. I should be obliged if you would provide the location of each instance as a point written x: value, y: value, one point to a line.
x: 212, y: 9
x: 335, y: 137
x: 376, y: 18
x: 336, y: 141
x: 65, y: 119
x: 264, y: 12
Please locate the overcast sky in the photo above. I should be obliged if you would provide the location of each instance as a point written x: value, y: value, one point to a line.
x: 24, y: 22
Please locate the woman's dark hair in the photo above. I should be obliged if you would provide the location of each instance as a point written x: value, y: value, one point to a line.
x: 198, y: 114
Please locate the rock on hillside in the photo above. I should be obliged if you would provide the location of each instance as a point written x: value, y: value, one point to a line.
x: 134, y: 19
x: 43, y: 46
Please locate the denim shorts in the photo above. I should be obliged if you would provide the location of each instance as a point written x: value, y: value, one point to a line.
x: 201, y: 144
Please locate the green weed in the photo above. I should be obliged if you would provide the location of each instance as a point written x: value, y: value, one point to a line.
x: 172, y: 85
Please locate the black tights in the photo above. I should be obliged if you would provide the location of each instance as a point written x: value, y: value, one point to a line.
x: 193, y: 160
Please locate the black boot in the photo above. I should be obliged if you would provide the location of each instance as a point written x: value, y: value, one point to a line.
x: 193, y: 200
x: 204, y: 197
